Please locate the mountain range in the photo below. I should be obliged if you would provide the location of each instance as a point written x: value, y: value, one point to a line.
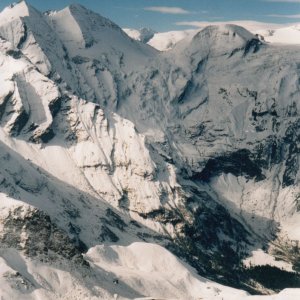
x: 132, y: 173
x: 269, y: 33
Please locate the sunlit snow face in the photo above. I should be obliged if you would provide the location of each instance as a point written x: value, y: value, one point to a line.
x: 110, y: 146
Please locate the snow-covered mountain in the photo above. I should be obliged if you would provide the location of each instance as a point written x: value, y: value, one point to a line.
x: 270, y: 33
x: 162, y: 41
x: 286, y: 35
x: 113, y: 152
x: 143, y: 35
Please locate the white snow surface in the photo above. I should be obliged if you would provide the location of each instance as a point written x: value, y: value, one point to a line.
x: 269, y: 32
x: 143, y: 35
x: 128, y: 121
x: 286, y: 35
x: 163, y: 276
x: 157, y: 274
x: 260, y: 258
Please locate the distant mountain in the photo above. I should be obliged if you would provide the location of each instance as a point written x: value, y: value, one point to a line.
x: 143, y: 35
x: 162, y: 41
x: 130, y: 173
x: 271, y: 33
x: 285, y: 35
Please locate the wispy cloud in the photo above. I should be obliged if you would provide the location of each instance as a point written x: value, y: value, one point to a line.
x: 168, y: 10
x: 190, y: 23
x: 248, y: 24
x: 285, y: 16
x: 200, y: 24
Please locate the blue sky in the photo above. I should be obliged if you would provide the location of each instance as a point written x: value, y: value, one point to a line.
x: 163, y: 15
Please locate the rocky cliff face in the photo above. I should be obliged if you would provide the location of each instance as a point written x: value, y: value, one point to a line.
x: 109, y: 141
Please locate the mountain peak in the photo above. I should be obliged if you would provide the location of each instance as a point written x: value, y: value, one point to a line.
x: 19, y: 9
x: 81, y: 28
x: 146, y: 34
x: 77, y: 7
x: 227, y: 31
x: 83, y: 16
x: 143, y: 34
x: 225, y: 39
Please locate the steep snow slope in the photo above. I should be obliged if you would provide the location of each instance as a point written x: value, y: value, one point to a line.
x: 157, y: 273
x: 110, y: 141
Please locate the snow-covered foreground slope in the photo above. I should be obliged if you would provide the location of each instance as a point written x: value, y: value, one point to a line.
x: 122, y: 273
x: 106, y: 143
x: 157, y: 273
